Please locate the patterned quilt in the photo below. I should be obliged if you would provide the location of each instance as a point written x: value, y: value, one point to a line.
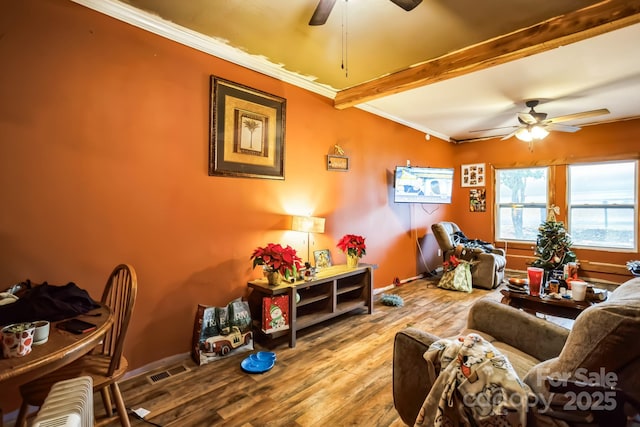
x: 473, y: 385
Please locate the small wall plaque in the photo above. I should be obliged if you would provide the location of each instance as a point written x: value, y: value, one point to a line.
x: 337, y: 163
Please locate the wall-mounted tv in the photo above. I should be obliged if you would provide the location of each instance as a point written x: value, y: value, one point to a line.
x: 423, y: 185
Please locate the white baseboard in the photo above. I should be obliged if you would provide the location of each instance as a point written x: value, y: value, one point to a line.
x: 376, y: 291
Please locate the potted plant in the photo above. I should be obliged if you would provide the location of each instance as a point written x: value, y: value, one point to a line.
x: 17, y: 339
x: 277, y: 261
x: 354, y: 246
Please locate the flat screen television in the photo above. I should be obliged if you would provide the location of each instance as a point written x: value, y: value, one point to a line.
x: 422, y: 185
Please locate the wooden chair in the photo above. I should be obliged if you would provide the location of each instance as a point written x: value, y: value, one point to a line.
x: 105, y: 364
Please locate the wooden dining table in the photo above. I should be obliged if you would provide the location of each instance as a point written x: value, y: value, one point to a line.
x: 61, y: 349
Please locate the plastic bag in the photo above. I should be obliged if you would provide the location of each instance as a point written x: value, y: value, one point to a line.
x: 221, y: 331
x: 458, y: 279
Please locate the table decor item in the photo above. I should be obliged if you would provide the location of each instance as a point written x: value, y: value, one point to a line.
x: 518, y: 281
x: 17, y: 339
x: 354, y: 247
x: 41, y: 334
x: 535, y: 275
x: 634, y: 267
x: 578, y: 290
x: 274, y: 258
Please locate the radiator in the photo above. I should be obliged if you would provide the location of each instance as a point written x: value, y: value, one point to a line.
x: 68, y: 404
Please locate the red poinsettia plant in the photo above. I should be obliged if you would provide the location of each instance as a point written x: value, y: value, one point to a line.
x: 277, y: 258
x: 352, y: 244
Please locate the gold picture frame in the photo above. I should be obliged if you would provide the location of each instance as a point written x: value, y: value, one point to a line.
x: 247, y: 131
x: 337, y: 163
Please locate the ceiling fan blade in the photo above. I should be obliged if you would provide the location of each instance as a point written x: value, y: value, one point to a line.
x: 561, y: 128
x: 576, y: 116
x: 322, y: 12
x: 527, y: 118
x: 407, y: 4
x: 510, y: 135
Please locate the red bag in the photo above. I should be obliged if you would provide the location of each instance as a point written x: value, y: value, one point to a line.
x: 275, y: 313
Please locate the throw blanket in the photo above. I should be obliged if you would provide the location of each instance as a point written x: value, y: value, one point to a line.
x: 473, y: 385
x: 460, y: 239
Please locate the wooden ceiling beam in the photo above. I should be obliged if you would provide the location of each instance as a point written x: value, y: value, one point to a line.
x: 575, y: 26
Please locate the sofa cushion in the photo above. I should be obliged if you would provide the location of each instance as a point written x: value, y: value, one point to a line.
x: 521, y: 361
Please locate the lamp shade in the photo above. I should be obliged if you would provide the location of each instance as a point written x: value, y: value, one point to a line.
x: 307, y: 224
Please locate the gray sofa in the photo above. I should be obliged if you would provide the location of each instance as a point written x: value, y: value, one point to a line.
x: 604, y: 337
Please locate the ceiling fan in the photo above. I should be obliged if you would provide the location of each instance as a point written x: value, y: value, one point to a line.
x: 324, y: 8
x: 535, y: 125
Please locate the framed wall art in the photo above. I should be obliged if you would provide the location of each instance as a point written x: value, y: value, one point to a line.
x: 337, y: 163
x: 477, y: 200
x: 473, y: 175
x: 246, y: 131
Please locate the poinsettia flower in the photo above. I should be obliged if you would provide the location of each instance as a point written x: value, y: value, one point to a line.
x: 277, y: 258
x: 353, y: 245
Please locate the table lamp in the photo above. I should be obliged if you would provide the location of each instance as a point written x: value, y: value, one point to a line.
x: 307, y: 224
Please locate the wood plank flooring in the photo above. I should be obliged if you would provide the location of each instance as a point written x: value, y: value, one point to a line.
x: 339, y: 373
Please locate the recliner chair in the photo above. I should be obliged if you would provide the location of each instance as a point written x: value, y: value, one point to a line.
x: 487, y: 270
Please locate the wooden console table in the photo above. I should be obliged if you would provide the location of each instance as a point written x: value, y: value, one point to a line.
x: 335, y: 290
x: 566, y: 308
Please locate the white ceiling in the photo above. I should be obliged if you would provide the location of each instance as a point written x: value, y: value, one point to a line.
x: 374, y: 40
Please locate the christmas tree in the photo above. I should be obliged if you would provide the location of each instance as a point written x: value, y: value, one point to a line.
x: 553, y: 245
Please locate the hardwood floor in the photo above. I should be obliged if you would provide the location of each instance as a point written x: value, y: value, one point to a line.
x: 339, y: 373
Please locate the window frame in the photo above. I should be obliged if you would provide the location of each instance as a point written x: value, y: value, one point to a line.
x: 541, y: 205
x: 634, y: 206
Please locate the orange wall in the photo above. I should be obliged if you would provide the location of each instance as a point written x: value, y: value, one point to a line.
x: 103, y: 159
x: 593, y: 143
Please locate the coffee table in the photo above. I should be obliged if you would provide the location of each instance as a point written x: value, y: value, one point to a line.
x: 566, y: 308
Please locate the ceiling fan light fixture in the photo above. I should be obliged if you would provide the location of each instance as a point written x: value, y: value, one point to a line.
x: 530, y: 133
x: 538, y: 132
x: 523, y: 134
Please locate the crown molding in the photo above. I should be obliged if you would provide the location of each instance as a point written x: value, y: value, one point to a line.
x: 430, y: 132
x: 218, y: 48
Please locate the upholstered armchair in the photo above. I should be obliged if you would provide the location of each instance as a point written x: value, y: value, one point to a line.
x: 487, y: 270
x: 602, y: 345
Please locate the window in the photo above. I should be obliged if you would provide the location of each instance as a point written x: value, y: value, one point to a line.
x: 521, y: 202
x: 602, y: 204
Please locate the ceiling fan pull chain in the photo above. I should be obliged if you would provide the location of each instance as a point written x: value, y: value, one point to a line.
x: 345, y: 38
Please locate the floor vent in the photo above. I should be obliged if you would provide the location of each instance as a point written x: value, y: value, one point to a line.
x: 157, y: 377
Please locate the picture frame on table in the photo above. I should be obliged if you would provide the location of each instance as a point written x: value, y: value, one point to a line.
x: 247, y: 131
x: 322, y: 258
